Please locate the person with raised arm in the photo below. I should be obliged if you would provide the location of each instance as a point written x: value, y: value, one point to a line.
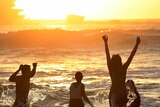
x: 77, y: 92
x: 117, y: 71
x: 22, y: 84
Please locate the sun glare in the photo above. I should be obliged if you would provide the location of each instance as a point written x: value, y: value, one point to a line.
x: 90, y: 9
x: 59, y: 9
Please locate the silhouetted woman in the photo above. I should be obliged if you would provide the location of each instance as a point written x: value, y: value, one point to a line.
x: 117, y: 71
x: 77, y: 91
x: 133, y: 95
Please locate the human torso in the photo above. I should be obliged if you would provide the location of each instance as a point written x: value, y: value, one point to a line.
x: 118, y: 76
x: 22, y: 88
x: 75, y: 91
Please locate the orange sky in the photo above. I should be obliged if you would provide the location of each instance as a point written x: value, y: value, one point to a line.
x: 91, y: 9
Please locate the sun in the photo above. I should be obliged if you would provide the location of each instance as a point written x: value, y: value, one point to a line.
x: 59, y: 9
x: 43, y: 9
x: 90, y: 9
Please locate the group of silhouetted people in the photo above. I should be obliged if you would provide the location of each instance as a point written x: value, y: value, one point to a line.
x: 122, y: 94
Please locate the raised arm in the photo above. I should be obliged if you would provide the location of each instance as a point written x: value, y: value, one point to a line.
x: 85, y: 97
x: 33, y: 72
x: 105, y: 38
x: 14, y: 75
x: 132, y: 53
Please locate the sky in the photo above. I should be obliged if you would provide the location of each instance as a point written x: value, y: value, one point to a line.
x: 90, y: 9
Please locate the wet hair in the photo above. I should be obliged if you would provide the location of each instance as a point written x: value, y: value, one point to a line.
x: 25, y: 69
x: 78, y: 76
x: 116, y: 60
x: 131, y: 84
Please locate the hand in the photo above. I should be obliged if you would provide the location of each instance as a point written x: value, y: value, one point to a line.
x: 105, y: 38
x: 34, y: 64
x: 20, y: 67
x: 138, y: 40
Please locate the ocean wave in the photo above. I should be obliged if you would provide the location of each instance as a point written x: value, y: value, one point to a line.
x: 48, y: 96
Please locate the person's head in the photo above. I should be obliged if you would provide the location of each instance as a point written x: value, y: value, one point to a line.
x: 78, y: 76
x: 130, y: 84
x: 25, y: 70
x: 116, y: 60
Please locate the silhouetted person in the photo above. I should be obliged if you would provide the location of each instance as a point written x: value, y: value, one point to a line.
x: 133, y: 95
x: 77, y: 91
x: 22, y: 84
x: 117, y: 71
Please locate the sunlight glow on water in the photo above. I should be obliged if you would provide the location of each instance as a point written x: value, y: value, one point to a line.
x: 56, y: 69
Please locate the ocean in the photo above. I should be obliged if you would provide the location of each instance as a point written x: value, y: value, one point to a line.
x: 57, y: 66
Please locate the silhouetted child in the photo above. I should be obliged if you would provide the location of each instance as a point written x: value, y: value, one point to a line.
x: 77, y: 91
x: 22, y: 84
x: 133, y: 95
x: 117, y: 71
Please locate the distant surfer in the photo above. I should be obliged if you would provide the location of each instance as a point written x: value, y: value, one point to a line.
x: 22, y: 84
x: 133, y: 95
x: 117, y: 71
x: 77, y: 92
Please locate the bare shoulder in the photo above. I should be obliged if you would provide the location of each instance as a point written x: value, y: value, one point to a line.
x: 73, y: 83
x: 82, y: 85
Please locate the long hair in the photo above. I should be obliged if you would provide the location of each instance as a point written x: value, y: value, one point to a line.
x: 116, y: 61
x: 131, y: 85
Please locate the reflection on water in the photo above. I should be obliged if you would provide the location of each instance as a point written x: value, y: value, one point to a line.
x: 56, y: 69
